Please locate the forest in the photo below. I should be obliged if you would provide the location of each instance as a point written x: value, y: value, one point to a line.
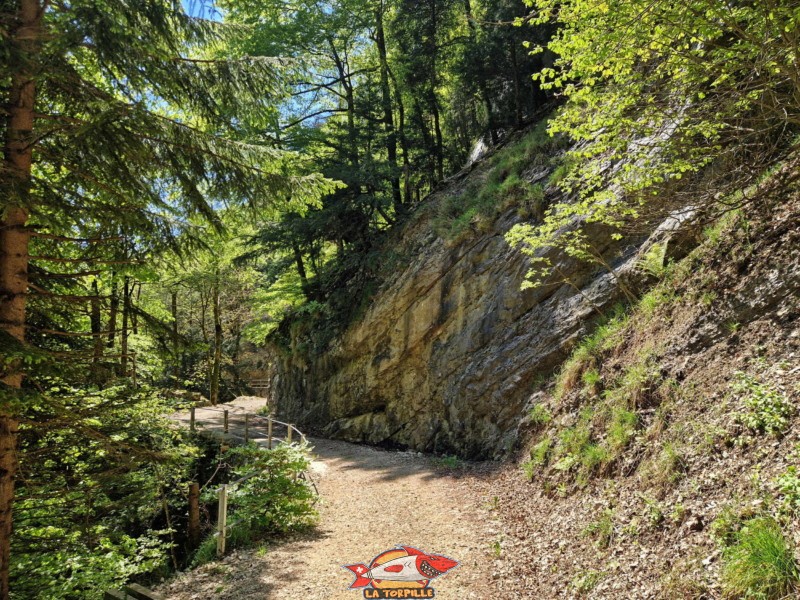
x: 184, y: 182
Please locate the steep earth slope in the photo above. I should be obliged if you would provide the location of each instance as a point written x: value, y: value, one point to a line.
x: 671, y: 433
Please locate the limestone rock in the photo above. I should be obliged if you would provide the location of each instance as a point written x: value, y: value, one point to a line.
x: 446, y: 357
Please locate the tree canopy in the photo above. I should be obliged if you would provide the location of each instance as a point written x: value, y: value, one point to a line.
x: 703, y: 91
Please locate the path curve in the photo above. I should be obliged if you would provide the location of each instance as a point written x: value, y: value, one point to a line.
x: 372, y: 500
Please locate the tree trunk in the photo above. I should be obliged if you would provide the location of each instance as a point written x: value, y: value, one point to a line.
x: 428, y: 142
x: 14, y: 245
x: 96, y: 322
x: 136, y: 286
x: 517, y: 86
x: 113, y: 310
x: 388, y: 111
x: 401, y: 127
x: 123, y: 335
x: 301, y: 271
x: 437, y: 128
x: 350, y: 106
x: 432, y: 100
x: 215, y: 370
x: 176, y: 370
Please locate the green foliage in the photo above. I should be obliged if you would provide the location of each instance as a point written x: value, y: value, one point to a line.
x: 636, y: 383
x: 539, y: 456
x: 654, y: 262
x: 760, y: 563
x: 585, y: 581
x: 788, y: 487
x: 449, y: 462
x: 89, y: 509
x: 539, y: 415
x: 659, y: 298
x: 653, y: 512
x: 661, y: 91
x: 275, y: 501
x: 602, y: 530
x: 606, y: 336
x: 540, y: 453
x: 768, y: 410
x: 503, y: 186
x: 621, y: 429
x: 591, y: 378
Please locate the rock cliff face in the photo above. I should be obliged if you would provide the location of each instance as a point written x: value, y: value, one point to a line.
x: 447, y: 356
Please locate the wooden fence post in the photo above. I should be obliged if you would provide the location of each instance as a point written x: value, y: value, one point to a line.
x: 225, y: 420
x: 192, y: 422
x: 269, y: 433
x: 289, y: 433
x: 194, y: 515
x: 246, y: 427
x: 222, y: 519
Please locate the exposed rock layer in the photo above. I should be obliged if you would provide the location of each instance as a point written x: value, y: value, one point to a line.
x: 446, y: 357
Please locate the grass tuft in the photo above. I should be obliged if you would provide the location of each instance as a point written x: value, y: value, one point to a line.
x: 760, y: 563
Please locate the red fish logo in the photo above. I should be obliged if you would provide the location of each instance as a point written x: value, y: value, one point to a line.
x: 401, y: 572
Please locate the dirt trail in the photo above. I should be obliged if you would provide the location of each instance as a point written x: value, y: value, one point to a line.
x: 372, y: 500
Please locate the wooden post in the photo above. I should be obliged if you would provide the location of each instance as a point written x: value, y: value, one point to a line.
x: 246, y: 427
x: 222, y: 519
x: 192, y: 422
x: 194, y: 515
x: 225, y: 420
x: 269, y: 433
x: 289, y: 433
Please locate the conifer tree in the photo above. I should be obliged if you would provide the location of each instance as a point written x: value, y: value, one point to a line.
x: 119, y: 122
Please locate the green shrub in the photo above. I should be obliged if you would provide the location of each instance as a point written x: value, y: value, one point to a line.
x: 540, y: 453
x: 539, y: 415
x: 768, y: 410
x: 448, y: 462
x: 97, y: 469
x: 760, y: 563
x: 529, y: 468
x: 602, y: 530
x: 654, y: 261
x: 479, y: 203
x: 788, y: 486
x: 605, y: 337
x: 591, y: 457
x: 275, y: 501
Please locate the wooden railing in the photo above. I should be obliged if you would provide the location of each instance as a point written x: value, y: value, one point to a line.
x: 259, y: 386
x: 249, y: 422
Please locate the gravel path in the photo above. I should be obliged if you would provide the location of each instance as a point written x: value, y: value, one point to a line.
x: 372, y: 500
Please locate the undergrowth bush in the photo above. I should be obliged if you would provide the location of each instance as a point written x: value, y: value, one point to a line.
x: 768, y: 410
x: 601, y: 530
x: 275, y: 501
x: 539, y: 415
x: 96, y: 472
